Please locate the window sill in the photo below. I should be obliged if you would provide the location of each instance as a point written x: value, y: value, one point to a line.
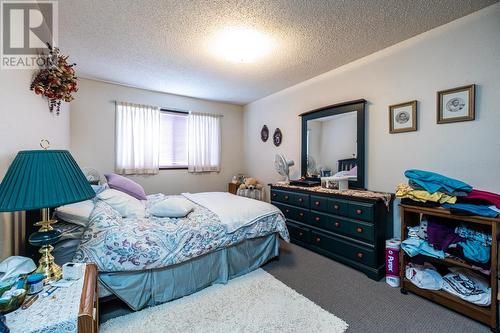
x: 174, y: 168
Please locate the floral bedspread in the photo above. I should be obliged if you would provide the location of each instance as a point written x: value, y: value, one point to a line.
x: 119, y: 244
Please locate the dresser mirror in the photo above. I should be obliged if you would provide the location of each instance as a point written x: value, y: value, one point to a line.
x: 333, y: 141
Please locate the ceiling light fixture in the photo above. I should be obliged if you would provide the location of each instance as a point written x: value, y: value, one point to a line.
x: 241, y: 45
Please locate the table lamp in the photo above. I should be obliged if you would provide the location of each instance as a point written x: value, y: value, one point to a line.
x: 43, y: 179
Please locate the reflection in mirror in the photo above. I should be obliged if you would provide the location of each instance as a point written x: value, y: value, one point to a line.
x: 332, y: 145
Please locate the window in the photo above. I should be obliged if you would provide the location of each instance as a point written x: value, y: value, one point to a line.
x: 173, y: 139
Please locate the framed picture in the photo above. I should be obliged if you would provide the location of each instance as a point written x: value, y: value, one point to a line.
x: 456, y: 104
x: 403, y: 117
x: 277, y: 137
x: 264, y: 133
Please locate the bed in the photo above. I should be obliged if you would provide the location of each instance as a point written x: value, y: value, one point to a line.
x: 151, y: 260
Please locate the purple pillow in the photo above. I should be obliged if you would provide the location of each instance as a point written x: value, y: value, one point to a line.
x: 126, y: 185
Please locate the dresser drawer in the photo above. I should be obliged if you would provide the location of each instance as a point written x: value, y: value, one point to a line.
x: 296, y: 199
x: 356, y: 229
x: 293, y: 213
x: 298, y: 232
x: 319, y: 203
x: 344, y: 248
x: 338, y: 207
x: 361, y: 211
x: 319, y: 220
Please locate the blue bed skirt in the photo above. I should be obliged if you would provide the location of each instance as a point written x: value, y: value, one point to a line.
x: 152, y: 287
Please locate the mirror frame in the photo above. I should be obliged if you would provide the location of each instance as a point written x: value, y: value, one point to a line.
x: 335, y: 109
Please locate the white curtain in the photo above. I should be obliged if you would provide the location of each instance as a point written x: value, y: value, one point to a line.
x: 204, y: 142
x: 137, y: 138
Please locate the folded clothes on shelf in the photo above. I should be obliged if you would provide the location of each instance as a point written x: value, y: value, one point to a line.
x: 433, y: 182
x: 468, y: 286
x: 414, y: 246
x: 472, y: 234
x: 435, y: 237
x: 475, y: 251
x: 441, y: 234
x: 419, y: 231
x: 416, y: 186
x: 482, y: 197
x: 424, y: 276
x: 471, y: 209
x: 405, y: 191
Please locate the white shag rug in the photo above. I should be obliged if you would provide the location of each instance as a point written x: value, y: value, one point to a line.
x: 255, y: 302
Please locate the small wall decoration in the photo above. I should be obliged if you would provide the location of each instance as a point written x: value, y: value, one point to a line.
x: 264, y: 133
x: 57, y: 81
x: 456, y: 104
x: 277, y: 137
x: 403, y: 117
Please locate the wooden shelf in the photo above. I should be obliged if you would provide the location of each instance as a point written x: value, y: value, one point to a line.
x: 451, y: 262
x: 442, y: 212
x: 411, y: 216
x: 480, y: 313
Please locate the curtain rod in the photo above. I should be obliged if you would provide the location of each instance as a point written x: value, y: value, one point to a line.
x: 174, y: 110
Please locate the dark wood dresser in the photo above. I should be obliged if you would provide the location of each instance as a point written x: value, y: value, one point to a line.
x: 350, y: 227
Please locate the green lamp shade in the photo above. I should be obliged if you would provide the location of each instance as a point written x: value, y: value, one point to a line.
x: 43, y: 179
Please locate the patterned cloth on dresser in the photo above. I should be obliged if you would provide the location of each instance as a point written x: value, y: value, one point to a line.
x: 131, y: 244
x: 385, y: 197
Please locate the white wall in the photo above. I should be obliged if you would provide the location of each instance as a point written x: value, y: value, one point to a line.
x: 93, y: 135
x: 24, y: 120
x: 462, y: 52
x: 339, y: 139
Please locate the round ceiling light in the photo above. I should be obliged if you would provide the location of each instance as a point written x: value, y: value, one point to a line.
x: 241, y: 45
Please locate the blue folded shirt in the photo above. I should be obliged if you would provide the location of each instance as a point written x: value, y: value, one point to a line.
x: 434, y: 182
x: 414, y: 246
x: 481, y: 210
x: 475, y: 251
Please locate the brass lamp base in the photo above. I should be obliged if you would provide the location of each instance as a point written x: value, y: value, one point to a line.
x: 44, y: 237
x: 47, y: 266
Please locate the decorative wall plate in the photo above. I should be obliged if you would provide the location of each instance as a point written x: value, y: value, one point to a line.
x: 264, y: 133
x: 277, y: 137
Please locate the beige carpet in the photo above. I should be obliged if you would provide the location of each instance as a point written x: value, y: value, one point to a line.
x: 255, y: 302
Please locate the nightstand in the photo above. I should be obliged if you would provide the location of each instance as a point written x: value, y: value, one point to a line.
x: 232, y: 188
x: 71, y: 309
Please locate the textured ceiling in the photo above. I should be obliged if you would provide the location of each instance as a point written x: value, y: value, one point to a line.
x: 164, y: 45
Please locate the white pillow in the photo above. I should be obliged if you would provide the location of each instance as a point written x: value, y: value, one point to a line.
x: 172, y: 207
x: 123, y: 203
x: 76, y: 213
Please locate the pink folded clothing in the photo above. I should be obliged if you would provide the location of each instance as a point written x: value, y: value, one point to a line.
x: 475, y: 196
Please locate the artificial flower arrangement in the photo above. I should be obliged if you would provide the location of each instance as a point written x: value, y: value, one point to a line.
x: 57, y: 81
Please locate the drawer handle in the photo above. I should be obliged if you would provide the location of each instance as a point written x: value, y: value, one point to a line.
x: 286, y: 197
x: 318, y: 239
x: 301, y: 214
x: 359, y: 211
x: 316, y: 203
x: 317, y: 219
x: 301, y: 233
x: 274, y: 195
x: 287, y: 210
x: 336, y: 207
x: 359, y: 230
x: 336, y: 224
x: 360, y: 255
x: 301, y: 200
